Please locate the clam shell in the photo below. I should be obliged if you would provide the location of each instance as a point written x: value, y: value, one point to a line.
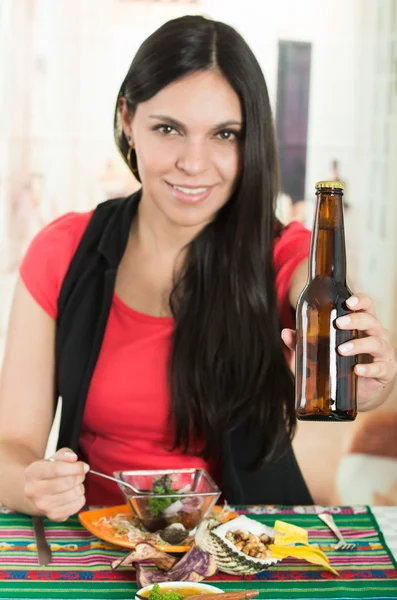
x: 211, y: 537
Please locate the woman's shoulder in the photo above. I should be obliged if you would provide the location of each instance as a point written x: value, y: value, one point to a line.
x: 69, y: 225
x: 291, y: 239
x: 57, y: 241
x: 293, y: 230
x: 291, y: 248
x: 49, y: 255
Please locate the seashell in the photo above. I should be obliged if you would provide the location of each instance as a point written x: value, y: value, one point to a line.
x: 211, y: 537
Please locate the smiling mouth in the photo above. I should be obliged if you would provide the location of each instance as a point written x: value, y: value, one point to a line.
x: 191, y: 191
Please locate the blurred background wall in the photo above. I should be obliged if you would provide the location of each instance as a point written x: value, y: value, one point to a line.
x: 331, y: 70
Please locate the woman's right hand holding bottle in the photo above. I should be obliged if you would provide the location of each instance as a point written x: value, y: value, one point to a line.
x: 55, y: 486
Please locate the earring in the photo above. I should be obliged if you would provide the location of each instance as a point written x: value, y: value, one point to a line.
x: 130, y: 149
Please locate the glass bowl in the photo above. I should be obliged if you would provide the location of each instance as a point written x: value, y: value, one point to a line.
x: 164, y: 497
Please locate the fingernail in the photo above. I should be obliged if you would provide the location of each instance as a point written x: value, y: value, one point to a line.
x: 70, y: 454
x: 346, y: 347
x: 360, y: 370
x: 352, y: 301
x: 86, y: 468
x: 343, y: 320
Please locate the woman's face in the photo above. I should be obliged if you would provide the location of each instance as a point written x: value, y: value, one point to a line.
x: 188, y: 140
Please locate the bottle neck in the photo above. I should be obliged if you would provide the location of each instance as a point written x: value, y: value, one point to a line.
x: 328, y: 250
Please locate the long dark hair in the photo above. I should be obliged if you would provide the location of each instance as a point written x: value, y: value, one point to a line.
x: 227, y: 363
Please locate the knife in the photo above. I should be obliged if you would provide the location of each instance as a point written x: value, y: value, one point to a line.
x: 44, y: 554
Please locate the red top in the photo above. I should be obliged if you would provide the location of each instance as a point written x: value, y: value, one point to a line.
x: 132, y: 364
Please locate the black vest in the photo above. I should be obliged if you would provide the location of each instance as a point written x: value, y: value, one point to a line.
x: 83, y: 309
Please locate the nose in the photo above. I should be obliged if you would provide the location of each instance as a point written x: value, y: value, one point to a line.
x: 193, y: 158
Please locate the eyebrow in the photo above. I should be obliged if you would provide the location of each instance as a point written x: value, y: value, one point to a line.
x: 178, y: 124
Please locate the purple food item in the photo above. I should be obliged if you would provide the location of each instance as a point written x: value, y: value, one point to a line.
x: 146, y: 552
x: 194, y: 577
x: 195, y: 559
x: 194, y: 566
x: 146, y: 576
x: 191, y: 504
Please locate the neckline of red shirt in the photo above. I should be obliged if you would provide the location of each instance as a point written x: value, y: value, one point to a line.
x: 120, y: 304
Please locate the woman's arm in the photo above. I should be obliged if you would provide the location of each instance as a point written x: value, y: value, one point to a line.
x: 27, y: 410
x: 26, y: 395
x: 298, y: 282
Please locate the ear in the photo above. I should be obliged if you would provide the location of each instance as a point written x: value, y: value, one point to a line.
x: 125, y: 117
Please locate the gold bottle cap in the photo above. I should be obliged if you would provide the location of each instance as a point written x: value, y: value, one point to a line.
x: 338, y: 185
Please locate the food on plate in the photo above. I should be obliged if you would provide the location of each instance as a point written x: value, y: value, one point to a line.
x: 165, y: 505
x: 174, y: 592
x: 165, y: 593
x: 125, y: 528
x: 216, y: 540
x: 121, y: 528
x: 174, y: 534
x: 251, y: 544
x: 178, y: 592
x: 162, y: 486
x: 245, y: 546
x: 195, y: 565
x: 144, y: 552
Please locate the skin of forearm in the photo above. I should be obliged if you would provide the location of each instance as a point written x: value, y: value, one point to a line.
x: 14, y: 458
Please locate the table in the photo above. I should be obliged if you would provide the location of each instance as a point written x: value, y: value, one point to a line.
x: 81, y: 562
x: 386, y: 517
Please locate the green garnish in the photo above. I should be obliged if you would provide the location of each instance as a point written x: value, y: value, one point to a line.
x: 162, y: 486
x: 155, y: 594
x: 172, y: 595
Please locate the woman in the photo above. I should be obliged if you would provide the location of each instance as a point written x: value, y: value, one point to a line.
x: 158, y: 316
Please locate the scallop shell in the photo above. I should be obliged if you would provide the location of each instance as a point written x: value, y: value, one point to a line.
x: 211, y: 537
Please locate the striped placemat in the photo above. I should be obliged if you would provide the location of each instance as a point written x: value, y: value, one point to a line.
x: 81, y: 562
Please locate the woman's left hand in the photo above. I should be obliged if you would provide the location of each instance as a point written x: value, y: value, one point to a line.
x: 377, y: 365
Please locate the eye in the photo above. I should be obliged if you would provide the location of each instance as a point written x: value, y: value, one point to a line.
x: 228, y: 134
x: 165, y: 129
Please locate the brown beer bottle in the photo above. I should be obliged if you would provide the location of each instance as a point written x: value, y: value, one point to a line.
x: 325, y: 382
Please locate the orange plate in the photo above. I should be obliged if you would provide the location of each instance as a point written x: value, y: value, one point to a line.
x: 88, y: 519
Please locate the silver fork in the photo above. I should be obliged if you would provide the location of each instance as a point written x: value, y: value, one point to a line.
x: 128, y: 485
x: 342, y: 544
x: 119, y: 481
